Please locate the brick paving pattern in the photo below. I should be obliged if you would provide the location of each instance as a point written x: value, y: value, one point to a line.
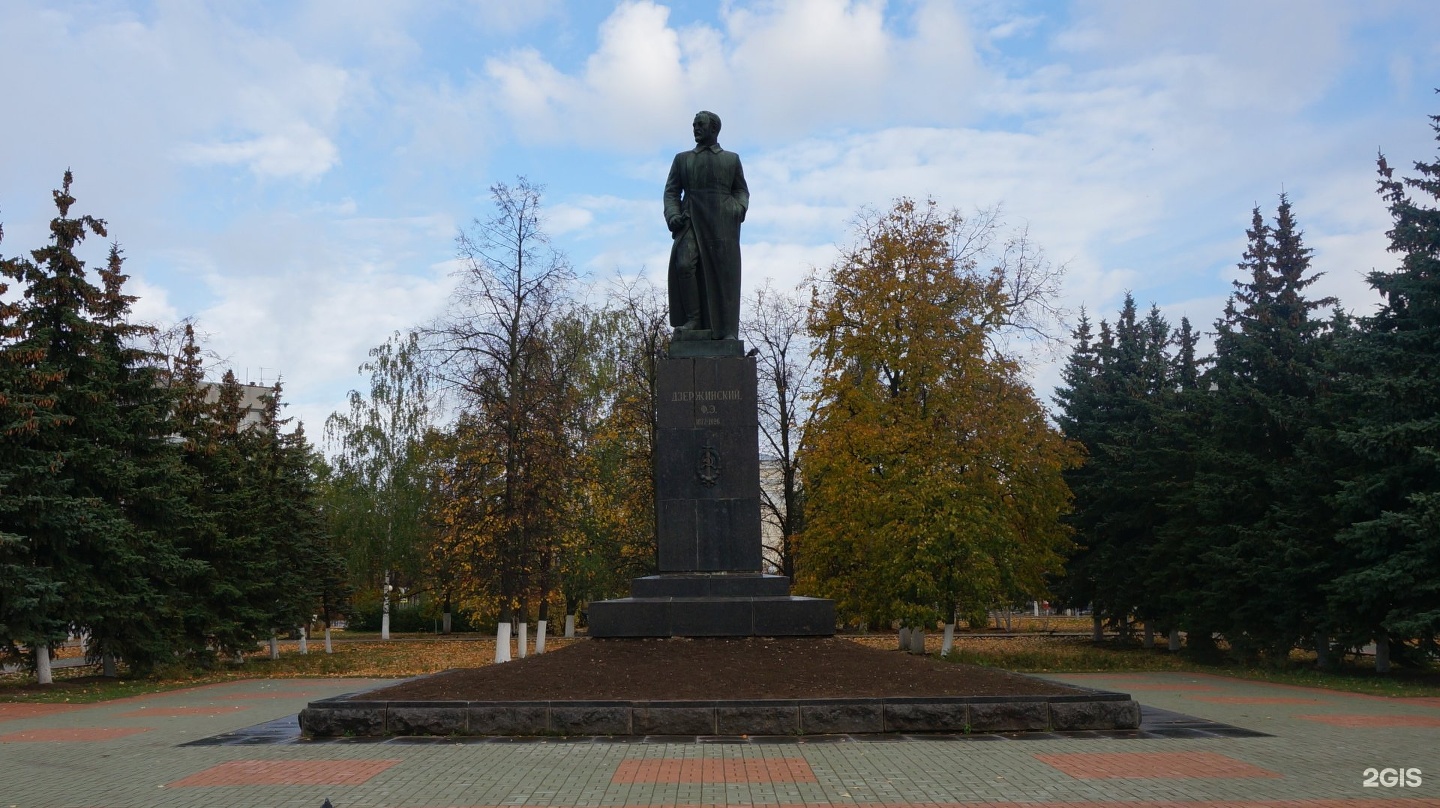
x: 1363, y: 721
x: 96, y: 758
x: 70, y: 735
x: 287, y: 773
x: 770, y: 770
x: 10, y: 712
x: 1256, y: 700
x: 1136, y: 765
x: 171, y: 712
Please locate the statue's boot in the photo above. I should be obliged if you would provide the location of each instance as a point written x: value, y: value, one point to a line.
x: 691, y: 302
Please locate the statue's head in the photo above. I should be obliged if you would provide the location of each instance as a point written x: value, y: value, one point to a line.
x: 706, y: 126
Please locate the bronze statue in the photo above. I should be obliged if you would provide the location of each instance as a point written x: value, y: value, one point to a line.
x: 705, y: 202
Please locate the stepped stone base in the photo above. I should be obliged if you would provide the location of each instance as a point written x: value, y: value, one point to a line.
x: 1088, y: 711
x: 713, y: 617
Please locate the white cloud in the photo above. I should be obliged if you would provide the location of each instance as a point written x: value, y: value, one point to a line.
x: 302, y: 152
x: 780, y: 69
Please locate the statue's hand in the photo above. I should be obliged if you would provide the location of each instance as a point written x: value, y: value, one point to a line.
x: 677, y: 223
x: 736, y: 209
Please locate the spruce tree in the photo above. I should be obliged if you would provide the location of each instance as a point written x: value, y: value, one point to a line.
x: 1263, y: 404
x: 66, y: 527
x: 1389, y: 588
x: 135, y: 614
x: 30, y: 592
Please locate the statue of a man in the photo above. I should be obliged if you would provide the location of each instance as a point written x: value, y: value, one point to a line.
x: 705, y: 202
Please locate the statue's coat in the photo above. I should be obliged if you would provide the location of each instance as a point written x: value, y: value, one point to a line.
x: 707, y: 185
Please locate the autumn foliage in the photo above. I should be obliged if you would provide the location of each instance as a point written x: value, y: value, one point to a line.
x: 933, y: 476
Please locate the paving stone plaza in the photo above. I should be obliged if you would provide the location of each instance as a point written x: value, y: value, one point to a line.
x: 1206, y: 742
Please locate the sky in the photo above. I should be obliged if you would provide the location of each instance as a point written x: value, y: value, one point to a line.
x: 293, y: 174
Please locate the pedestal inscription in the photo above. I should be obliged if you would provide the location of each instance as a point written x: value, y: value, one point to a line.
x: 707, y: 503
x: 707, y: 465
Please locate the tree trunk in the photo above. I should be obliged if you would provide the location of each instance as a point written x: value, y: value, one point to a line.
x: 304, y: 644
x: 1382, y: 654
x: 329, y: 648
x: 502, y: 641
x: 540, y: 637
x: 445, y: 619
x: 1149, y: 634
x: 274, y: 646
x: 1174, y: 639
x: 904, y: 638
x: 42, y: 664
x: 917, y: 642
x: 1322, y: 650
x: 524, y: 640
x: 1097, y: 627
x: 570, y: 626
x: 385, y: 608
x: 948, y: 643
x: 107, y: 666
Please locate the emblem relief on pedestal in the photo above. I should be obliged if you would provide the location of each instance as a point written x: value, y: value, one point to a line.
x: 708, y: 469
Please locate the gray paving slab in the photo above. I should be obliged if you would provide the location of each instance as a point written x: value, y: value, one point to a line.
x: 1314, y: 755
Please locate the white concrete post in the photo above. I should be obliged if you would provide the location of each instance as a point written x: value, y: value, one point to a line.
x: 42, y: 664
x: 1035, y: 604
x: 304, y: 635
x: 385, y: 608
x: 569, y: 626
x: 540, y: 637
x: 524, y: 639
x: 502, y: 642
x: 948, y: 643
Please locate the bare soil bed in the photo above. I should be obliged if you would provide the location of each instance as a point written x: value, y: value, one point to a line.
x: 716, y: 669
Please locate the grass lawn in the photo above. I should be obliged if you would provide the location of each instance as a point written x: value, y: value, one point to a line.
x: 1075, y: 655
x: 366, y: 656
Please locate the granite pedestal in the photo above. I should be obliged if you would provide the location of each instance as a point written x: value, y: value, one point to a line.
x: 707, y: 502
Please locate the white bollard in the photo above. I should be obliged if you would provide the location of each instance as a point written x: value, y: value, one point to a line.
x: 540, y: 637
x: 304, y: 635
x: 569, y: 626
x: 524, y: 639
x: 948, y: 643
x: 329, y: 649
x: 42, y: 664
x: 502, y: 642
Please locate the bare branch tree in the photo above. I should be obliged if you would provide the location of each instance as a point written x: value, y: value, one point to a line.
x: 776, y: 330
x: 494, y: 347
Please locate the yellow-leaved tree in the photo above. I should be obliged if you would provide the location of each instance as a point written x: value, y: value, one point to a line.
x: 933, y: 475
